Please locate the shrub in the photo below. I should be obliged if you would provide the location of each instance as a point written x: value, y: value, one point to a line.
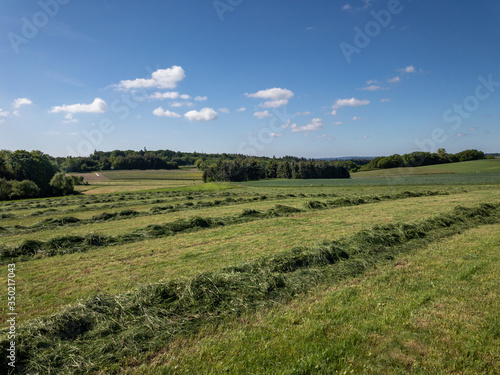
x: 5, y: 189
x: 24, y: 189
x: 62, y: 184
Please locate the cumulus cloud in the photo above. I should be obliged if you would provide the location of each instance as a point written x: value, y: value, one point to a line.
x: 408, y: 69
x: 261, y: 115
x: 277, y: 97
x: 97, y: 106
x: 205, y: 114
x: 396, y: 79
x: 181, y: 104
x: 165, y: 95
x: 223, y: 110
x: 68, y: 118
x: 160, y: 112
x: 200, y: 98
x: 315, y: 124
x: 161, y: 79
x: 356, y: 118
x: 21, y: 101
x: 352, y: 102
x: 3, y: 113
x: 275, y: 135
x: 242, y: 109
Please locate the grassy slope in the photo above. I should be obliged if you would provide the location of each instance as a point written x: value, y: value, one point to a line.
x: 116, y: 269
x: 467, y: 167
x: 433, y: 311
x: 48, y: 284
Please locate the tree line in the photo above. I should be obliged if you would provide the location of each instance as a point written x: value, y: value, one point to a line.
x: 32, y: 174
x: 419, y: 158
x: 251, y: 169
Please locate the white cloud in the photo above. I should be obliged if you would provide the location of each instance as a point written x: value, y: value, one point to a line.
x: 303, y: 113
x: 353, y: 102
x: 366, y: 5
x: 97, y: 106
x: 165, y: 113
x: 274, y: 93
x: 334, y: 112
x: 181, y: 104
x: 278, y: 97
x: 315, y: 124
x: 242, y: 109
x: 356, y: 118
x: 274, y: 103
x: 205, y: 114
x: 408, y: 69
x: 165, y: 95
x: 185, y: 96
x: 200, y: 98
x: 68, y: 118
x: 385, y: 100
x: 337, y: 123
x: 223, y: 110
x: 3, y: 113
x: 372, y: 82
x: 261, y: 115
x: 162, y: 79
x: 21, y: 101
x: 396, y: 79
x: 275, y: 134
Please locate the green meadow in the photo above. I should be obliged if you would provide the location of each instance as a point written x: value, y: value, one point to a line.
x: 154, y: 272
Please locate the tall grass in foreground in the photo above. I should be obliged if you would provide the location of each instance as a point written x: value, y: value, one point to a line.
x: 105, y: 330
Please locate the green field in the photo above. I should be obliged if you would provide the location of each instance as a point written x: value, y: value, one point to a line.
x: 182, y: 174
x: 467, y: 167
x: 369, y: 275
x: 105, y: 182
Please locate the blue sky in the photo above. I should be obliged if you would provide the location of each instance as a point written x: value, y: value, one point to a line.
x: 312, y: 79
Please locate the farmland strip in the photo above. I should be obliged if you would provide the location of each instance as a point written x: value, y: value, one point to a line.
x: 106, y: 329
x: 75, y: 243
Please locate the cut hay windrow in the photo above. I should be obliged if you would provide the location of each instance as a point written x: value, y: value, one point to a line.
x: 100, y: 333
x: 65, y: 245
x: 52, y: 223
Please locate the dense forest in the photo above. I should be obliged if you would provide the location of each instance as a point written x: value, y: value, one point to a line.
x: 32, y: 174
x: 418, y: 158
x: 254, y: 169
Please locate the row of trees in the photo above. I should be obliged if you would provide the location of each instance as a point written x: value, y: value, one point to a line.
x: 418, y: 158
x: 257, y: 169
x: 144, y: 159
x: 32, y: 174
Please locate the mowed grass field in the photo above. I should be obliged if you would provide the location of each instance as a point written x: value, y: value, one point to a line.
x: 103, y: 182
x: 260, y: 277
